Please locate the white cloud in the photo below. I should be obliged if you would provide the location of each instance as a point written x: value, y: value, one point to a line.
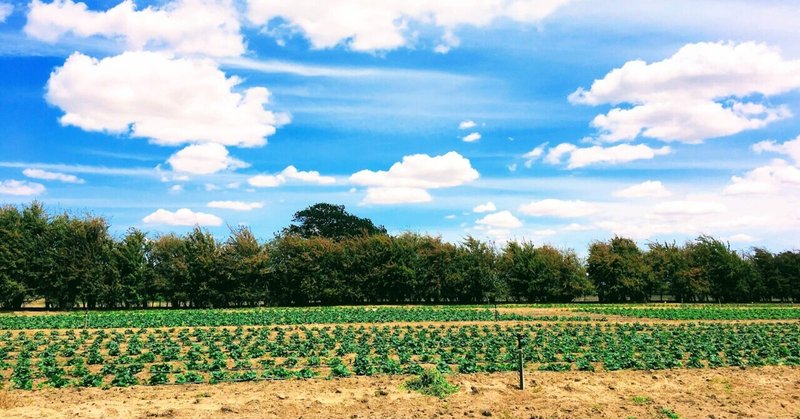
x: 500, y: 220
x: 20, y: 188
x: 176, y: 188
x: 182, y: 217
x: 266, y: 181
x: 647, y: 189
x: 471, y: 137
x: 170, y: 101
x: 236, y: 205
x: 386, y: 25
x: 45, y: 175
x: 688, y: 207
x: 512, y: 167
x: 467, y: 124
x: 788, y: 148
x: 396, y: 195
x: 487, y: 207
x: 450, y: 217
x: 210, y: 187
x: 533, y: 155
x: 290, y: 173
x: 204, y: 159
x: 555, y: 154
x: 622, y: 153
x: 558, y: 208
x: 411, y: 177
x: 578, y: 227
x: 703, y: 91
x: 5, y: 11
x: 204, y: 27
x: 765, y: 179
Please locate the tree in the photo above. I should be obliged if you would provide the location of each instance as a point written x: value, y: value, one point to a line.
x: 618, y: 271
x: 330, y: 221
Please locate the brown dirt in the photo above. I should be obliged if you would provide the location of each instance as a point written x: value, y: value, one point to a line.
x: 721, y: 393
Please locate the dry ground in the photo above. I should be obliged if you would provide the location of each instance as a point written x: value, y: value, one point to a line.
x: 721, y: 393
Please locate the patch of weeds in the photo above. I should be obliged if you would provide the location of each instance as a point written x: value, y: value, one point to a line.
x: 431, y: 382
x: 640, y: 400
x: 667, y: 413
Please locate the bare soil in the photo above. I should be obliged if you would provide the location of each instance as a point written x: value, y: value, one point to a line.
x: 706, y: 393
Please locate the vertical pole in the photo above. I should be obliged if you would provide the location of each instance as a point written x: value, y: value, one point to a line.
x: 521, y: 362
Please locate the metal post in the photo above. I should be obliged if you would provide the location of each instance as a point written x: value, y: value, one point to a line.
x: 521, y: 362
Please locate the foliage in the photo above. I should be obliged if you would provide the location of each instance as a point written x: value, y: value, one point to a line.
x: 431, y: 382
x: 330, y: 221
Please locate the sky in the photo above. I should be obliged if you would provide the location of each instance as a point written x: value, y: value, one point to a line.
x: 552, y: 121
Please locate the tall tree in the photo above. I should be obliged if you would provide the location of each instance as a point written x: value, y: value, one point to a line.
x: 330, y: 221
x: 618, y: 271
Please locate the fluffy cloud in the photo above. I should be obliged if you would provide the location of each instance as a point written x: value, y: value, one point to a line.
x: 290, y: 173
x: 765, y: 179
x: 412, y: 177
x: 586, y: 156
x: 204, y: 159
x: 5, y: 11
x: 182, y: 217
x: 471, y: 137
x: 788, y: 148
x: 703, y: 91
x: 558, y: 208
x: 487, y: 207
x: 192, y: 27
x: 648, y: 189
x: 400, y: 195
x: 533, y: 155
x: 467, y: 124
x: 20, y: 188
x: 500, y: 220
x: 236, y: 205
x: 45, y: 175
x: 386, y: 25
x: 170, y: 101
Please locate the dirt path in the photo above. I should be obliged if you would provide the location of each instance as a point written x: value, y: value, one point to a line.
x: 722, y: 393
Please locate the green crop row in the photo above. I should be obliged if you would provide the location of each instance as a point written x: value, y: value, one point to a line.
x: 187, y: 355
x: 260, y: 317
x: 700, y: 313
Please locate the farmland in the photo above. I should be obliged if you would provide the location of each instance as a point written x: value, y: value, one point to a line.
x: 203, y: 349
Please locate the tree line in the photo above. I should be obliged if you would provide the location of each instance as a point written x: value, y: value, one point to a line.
x: 329, y: 256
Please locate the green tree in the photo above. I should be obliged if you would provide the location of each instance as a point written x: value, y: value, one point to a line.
x: 330, y: 221
x: 618, y: 271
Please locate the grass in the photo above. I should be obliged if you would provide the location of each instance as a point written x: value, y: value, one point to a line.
x: 431, y: 382
x: 668, y: 413
x: 641, y: 400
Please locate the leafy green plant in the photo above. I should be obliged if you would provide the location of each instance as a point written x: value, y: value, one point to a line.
x: 432, y: 383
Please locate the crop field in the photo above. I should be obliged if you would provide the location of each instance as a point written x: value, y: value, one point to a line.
x: 193, y: 349
x: 701, y: 313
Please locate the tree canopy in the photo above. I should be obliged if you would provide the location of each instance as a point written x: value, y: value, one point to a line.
x: 332, y: 222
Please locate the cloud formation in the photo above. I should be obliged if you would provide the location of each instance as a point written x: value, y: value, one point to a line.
x: 383, y: 25
x: 290, y: 173
x: 410, y: 179
x: 187, y: 27
x: 236, y: 205
x: 501, y: 220
x: 196, y: 102
x: 587, y: 156
x: 705, y: 90
x: 182, y: 217
x: 5, y: 11
x: 204, y: 159
x: 45, y: 175
x: 20, y: 188
x: 487, y: 207
x: 647, y: 189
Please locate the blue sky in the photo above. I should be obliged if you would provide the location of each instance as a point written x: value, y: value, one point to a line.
x: 559, y: 121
